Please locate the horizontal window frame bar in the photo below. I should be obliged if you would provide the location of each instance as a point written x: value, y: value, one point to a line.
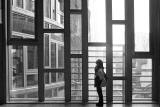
x: 115, y: 22
x: 54, y: 70
x: 97, y: 44
x: 76, y: 56
x: 140, y: 55
x: 26, y: 42
x: 75, y: 11
x: 53, y: 31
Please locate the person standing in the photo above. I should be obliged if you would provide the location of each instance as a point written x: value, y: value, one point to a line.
x: 99, y: 76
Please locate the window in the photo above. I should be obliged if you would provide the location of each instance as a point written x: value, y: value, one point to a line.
x: 32, y: 80
x: 32, y: 57
x: 141, y: 25
x: 53, y: 55
x: 29, y: 5
x: 60, y: 56
x: 47, y: 8
x: 19, y: 3
x: 142, y: 79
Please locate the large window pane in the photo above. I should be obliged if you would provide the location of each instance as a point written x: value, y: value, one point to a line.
x: 96, y: 21
x: 54, y: 13
x: 75, y: 4
x: 76, y: 34
x: 118, y: 50
x: 76, y: 79
x: 22, y: 19
x: 142, y: 79
x: 22, y: 82
x: 141, y: 25
x: 54, y: 50
x: 118, y: 9
x: 95, y: 53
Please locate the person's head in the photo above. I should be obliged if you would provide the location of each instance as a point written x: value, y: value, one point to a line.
x: 99, y: 63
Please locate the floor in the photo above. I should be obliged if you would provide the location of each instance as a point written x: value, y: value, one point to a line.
x: 78, y: 105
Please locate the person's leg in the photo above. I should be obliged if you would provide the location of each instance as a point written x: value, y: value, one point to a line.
x: 100, y: 95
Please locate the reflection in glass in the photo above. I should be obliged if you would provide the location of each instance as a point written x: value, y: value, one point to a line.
x: 32, y: 57
x: 142, y: 79
x: 141, y: 25
x: 75, y: 4
x: 22, y: 20
x: 76, y: 34
x: 118, y: 9
x: 118, y: 90
x: 54, y: 50
x: 54, y: 87
x: 23, y: 80
x: 76, y: 78
x: 32, y: 80
x: 96, y: 21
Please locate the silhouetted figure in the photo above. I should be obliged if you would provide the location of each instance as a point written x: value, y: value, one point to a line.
x: 99, y: 77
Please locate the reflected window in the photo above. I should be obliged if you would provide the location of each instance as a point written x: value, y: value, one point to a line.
x: 53, y: 55
x: 29, y: 5
x: 47, y: 8
x: 60, y: 56
x: 32, y: 57
x: 32, y: 80
x: 17, y: 66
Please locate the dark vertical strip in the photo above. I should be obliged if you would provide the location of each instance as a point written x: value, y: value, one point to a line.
x: 9, y: 17
x: 129, y: 40
x: 109, y: 56
x: 154, y: 47
x: 3, y: 54
x: 67, y: 51
x: 39, y: 36
x: 85, y: 51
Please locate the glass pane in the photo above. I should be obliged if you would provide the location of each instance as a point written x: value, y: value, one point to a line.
x: 54, y: 87
x: 96, y: 21
x: 46, y: 48
x: 95, y: 53
x: 54, y: 50
x: 53, y: 55
x: 32, y: 57
x: 23, y: 19
x: 75, y: 4
x: 118, y: 9
x: 76, y: 79
x: 141, y: 25
x: 118, y: 50
x: 22, y: 82
x: 118, y: 90
x: 54, y: 13
x: 142, y: 79
x: 76, y: 34
x: 60, y: 56
x: 32, y: 80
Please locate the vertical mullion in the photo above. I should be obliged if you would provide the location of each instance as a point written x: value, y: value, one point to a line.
x: 109, y: 56
x: 129, y: 40
x: 67, y: 51
x: 85, y: 51
x: 39, y: 36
